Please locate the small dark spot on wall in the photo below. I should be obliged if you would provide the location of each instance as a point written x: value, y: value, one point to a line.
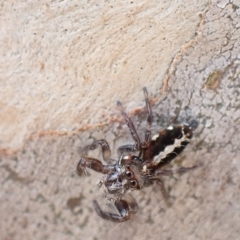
x: 74, y: 202
x: 14, y: 175
x: 235, y: 7
x: 42, y: 66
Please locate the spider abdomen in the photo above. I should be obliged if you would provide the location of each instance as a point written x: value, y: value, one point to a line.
x: 166, y: 145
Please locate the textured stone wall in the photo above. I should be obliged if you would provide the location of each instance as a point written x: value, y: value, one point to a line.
x: 65, y: 64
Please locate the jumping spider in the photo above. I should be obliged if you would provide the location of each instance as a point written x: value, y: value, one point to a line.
x: 139, y: 165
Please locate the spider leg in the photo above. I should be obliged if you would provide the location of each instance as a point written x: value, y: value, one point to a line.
x: 170, y: 172
x: 106, y: 152
x: 131, y: 127
x: 163, y: 190
x: 122, y: 207
x: 131, y: 202
x: 149, y: 119
x: 129, y: 148
x: 94, y: 164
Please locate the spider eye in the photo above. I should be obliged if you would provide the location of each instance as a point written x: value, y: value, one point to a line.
x: 128, y: 174
x: 133, y: 183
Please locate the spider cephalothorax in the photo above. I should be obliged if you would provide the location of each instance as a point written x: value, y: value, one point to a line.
x: 139, y: 164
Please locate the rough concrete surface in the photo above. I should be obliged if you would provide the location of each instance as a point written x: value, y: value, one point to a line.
x: 65, y: 64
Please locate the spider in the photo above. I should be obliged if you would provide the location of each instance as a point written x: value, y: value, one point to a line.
x: 139, y: 165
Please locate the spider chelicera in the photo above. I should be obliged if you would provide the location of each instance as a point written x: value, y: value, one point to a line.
x: 139, y: 165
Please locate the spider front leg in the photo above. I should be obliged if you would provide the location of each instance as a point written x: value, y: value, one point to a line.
x: 122, y: 207
x: 106, y: 152
x: 94, y: 164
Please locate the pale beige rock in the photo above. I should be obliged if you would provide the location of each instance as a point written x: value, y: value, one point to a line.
x: 65, y: 61
x: 65, y: 64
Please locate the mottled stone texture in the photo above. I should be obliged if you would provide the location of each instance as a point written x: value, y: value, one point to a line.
x: 65, y: 64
